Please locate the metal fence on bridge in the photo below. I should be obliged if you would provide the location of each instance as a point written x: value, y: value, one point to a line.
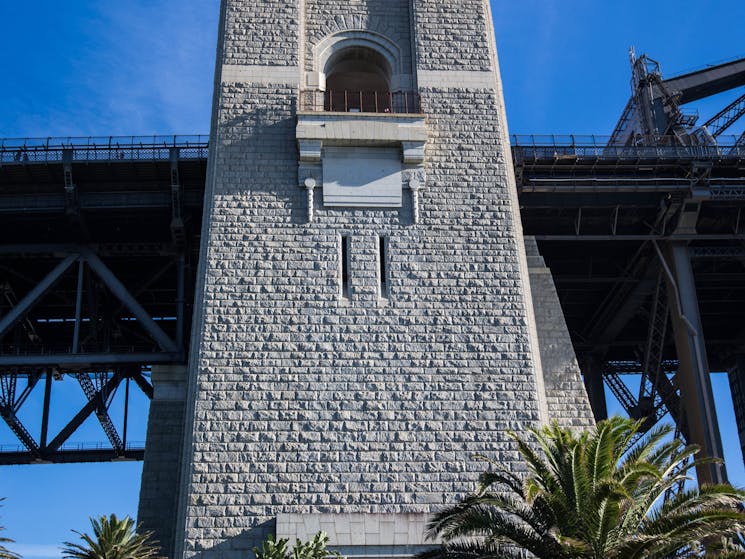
x: 105, y: 148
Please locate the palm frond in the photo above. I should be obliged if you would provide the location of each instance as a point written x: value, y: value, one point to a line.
x: 591, y: 495
x: 113, y: 538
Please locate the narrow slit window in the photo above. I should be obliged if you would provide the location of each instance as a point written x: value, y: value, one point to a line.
x: 344, y: 268
x: 383, y: 267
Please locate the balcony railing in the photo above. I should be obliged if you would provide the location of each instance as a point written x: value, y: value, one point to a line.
x: 349, y: 101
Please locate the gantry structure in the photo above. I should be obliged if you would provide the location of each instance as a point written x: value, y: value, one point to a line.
x: 642, y: 230
x: 643, y: 233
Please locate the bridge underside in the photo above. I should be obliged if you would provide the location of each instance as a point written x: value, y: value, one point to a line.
x: 99, y: 244
x: 109, y: 297
x: 601, y: 213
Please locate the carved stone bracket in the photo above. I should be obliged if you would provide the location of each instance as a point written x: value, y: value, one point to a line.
x: 310, y: 184
x: 309, y: 169
x: 413, y: 153
x: 415, y: 178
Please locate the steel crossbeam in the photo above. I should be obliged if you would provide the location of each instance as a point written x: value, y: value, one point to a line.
x: 726, y: 117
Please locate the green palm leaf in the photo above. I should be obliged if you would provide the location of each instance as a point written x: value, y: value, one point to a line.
x: 593, y: 495
x: 112, y: 538
x: 5, y: 553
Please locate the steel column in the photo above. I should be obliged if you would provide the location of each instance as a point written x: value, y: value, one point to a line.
x: 180, y: 299
x: 45, y: 409
x: 698, y: 413
x: 78, y: 308
x: 736, y: 376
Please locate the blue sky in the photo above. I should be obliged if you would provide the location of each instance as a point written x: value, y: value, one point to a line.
x: 107, y: 67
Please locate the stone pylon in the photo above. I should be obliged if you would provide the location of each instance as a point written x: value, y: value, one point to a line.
x: 364, y: 323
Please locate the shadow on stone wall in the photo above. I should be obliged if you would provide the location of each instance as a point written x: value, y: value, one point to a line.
x: 238, y: 547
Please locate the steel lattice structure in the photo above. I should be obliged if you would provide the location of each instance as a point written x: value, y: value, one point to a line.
x: 96, y: 279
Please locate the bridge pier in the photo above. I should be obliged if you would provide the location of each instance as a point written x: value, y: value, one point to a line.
x: 161, y: 468
x: 698, y: 414
x: 566, y: 397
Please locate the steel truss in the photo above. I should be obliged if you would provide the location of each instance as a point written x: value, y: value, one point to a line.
x: 100, y: 388
x: 78, y: 320
x: 81, y: 347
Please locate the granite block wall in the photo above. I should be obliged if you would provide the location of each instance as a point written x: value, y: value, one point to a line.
x: 303, y: 402
x: 389, y: 18
x: 159, y: 488
x: 453, y: 36
x: 259, y: 33
x: 160, y: 472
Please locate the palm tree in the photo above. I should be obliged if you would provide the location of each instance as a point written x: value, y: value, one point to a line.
x: 112, y: 539
x: 5, y: 553
x: 273, y: 548
x: 592, y: 495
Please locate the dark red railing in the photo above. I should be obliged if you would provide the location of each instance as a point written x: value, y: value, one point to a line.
x: 371, y: 101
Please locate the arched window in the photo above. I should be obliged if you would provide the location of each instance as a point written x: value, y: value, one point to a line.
x: 358, y: 79
x: 359, y: 71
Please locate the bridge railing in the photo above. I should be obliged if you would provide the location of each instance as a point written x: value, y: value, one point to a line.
x: 105, y: 148
x: 557, y: 146
x: 75, y: 447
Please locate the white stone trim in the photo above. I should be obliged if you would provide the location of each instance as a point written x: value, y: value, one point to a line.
x: 413, y: 152
x: 353, y: 128
x: 310, y: 150
x: 356, y: 528
x: 169, y: 382
x: 287, y: 75
x: 456, y: 79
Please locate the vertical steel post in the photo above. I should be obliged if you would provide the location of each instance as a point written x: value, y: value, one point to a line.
x: 693, y: 378
x: 180, y: 299
x: 45, y: 410
x: 737, y: 388
x: 126, y: 414
x: 78, y: 308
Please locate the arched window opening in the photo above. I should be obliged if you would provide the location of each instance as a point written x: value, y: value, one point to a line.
x: 358, y: 79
